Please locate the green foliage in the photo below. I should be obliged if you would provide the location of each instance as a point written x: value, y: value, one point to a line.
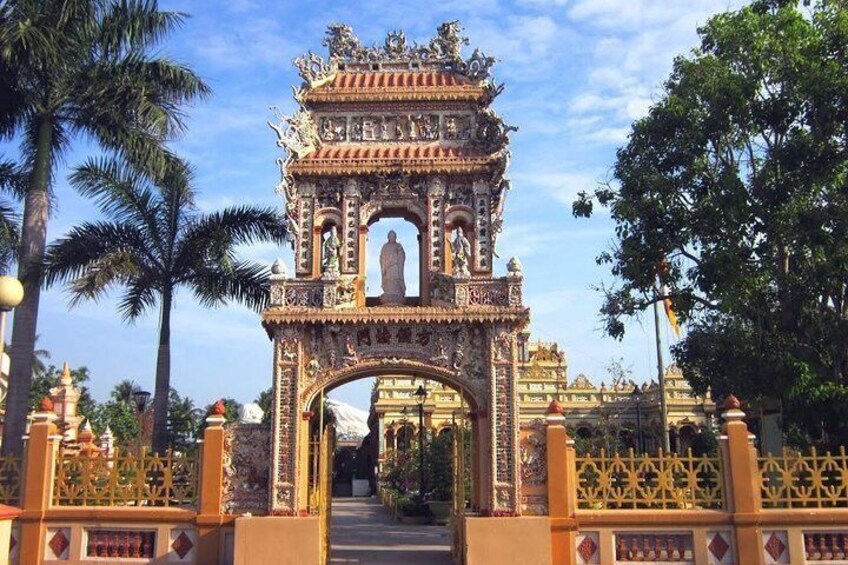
x: 183, y: 422
x: 730, y: 199
x: 264, y: 402
x: 439, y: 467
x: 705, y: 443
x: 121, y: 417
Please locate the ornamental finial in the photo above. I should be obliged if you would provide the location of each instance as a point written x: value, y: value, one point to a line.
x: 218, y: 409
x: 555, y: 408
x: 46, y: 404
x: 732, y: 403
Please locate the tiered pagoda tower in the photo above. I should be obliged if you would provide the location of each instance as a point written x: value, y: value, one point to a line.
x: 396, y: 131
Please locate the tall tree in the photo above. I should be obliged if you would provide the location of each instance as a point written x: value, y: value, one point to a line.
x: 78, y: 68
x: 732, y: 202
x: 154, y: 242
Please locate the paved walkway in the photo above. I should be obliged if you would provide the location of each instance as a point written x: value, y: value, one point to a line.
x: 363, y: 532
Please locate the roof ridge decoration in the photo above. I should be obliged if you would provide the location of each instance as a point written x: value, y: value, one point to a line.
x: 443, y: 52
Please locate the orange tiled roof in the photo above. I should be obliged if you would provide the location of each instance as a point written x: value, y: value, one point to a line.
x: 400, y: 85
x: 329, y: 159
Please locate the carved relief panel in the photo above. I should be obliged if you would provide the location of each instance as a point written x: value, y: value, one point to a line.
x: 350, y: 231
x: 395, y: 127
x: 287, y: 410
x: 303, y: 245
x: 504, y: 419
x: 436, y: 219
x: 482, y: 228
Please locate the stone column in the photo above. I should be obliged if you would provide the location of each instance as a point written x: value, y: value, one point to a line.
x: 37, y: 489
x: 741, y: 483
x: 562, y: 487
x: 482, y: 239
x: 209, y: 514
x: 285, y: 425
x: 350, y: 228
x: 504, y: 424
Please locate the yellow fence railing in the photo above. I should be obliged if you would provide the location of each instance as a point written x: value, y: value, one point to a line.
x: 10, y: 480
x: 124, y: 479
x: 661, y: 481
x: 793, y: 480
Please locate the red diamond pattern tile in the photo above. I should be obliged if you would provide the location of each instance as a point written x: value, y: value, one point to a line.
x: 718, y: 546
x: 182, y: 545
x: 587, y: 548
x: 775, y: 547
x: 59, y: 543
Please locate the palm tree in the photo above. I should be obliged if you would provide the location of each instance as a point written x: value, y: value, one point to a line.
x: 154, y: 242
x: 69, y: 69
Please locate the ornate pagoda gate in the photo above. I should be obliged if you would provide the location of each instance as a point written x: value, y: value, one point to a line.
x: 395, y: 131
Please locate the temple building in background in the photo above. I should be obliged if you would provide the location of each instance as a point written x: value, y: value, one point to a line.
x: 591, y: 408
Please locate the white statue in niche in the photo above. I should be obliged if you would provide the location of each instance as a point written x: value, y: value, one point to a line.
x: 461, y: 250
x: 330, y: 255
x: 392, y: 258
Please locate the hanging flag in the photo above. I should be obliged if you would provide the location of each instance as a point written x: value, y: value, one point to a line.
x: 667, y: 304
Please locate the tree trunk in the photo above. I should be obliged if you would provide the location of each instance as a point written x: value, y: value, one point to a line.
x: 33, y: 240
x: 163, y: 377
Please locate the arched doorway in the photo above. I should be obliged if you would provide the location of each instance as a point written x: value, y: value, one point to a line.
x: 429, y: 467
x: 321, y: 350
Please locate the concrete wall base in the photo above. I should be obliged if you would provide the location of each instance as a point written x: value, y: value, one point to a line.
x: 508, y: 541
x: 277, y: 540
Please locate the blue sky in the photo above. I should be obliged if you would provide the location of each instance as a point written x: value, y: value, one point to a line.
x: 577, y: 73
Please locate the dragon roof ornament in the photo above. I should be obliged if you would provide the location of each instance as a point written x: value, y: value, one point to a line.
x: 443, y: 52
x: 297, y: 133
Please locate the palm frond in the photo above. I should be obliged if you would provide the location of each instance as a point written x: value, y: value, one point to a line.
x: 141, y: 295
x: 144, y: 95
x: 134, y: 25
x: 244, y: 282
x: 118, y: 247
x: 214, y: 236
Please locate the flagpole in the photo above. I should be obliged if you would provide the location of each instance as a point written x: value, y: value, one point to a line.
x: 661, y: 378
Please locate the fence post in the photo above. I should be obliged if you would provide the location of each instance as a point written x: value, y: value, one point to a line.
x: 211, y: 487
x: 38, y: 469
x: 741, y: 481
x: 562, y: 487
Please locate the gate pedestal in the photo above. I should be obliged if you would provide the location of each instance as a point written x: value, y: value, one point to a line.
x: 492, y: 541
x: 277, y: 540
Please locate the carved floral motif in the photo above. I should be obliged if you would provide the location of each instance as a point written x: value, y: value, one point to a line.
x: 246, y: 471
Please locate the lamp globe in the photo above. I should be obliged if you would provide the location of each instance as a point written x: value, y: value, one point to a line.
x: 11, y: 292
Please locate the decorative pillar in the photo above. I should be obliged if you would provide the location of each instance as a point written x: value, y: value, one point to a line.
x: 482, y: 228
x: 211, y: 491
x: 317, y: 243
x: 741, y: 483
x: 562, y: 487
x: 436, y: 250
x: 37, y: 488
x: 303, y: 240
x: 65, y: 398
x: 504, y: 424
x: 350, y: 230
x: 285, y: 425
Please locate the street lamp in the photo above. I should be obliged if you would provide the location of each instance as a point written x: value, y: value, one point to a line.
x: 11, y: 294
x: 636, y: 395
x: 404, y: 429
x: 141, y: 397
x: 421, y: 397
